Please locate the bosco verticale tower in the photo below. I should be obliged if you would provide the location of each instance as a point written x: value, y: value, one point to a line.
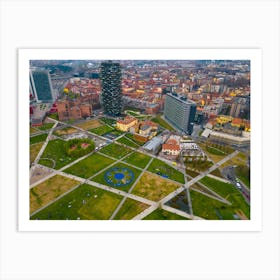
x: 111, y: 90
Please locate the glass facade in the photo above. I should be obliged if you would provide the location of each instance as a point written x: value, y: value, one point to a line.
x: 111, y: 90
x: 40, y: 85
x: 180, y: 112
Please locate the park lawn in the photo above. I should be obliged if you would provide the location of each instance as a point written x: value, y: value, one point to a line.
x: 131, y: 137
x: 160, y: 214
x: 116, y: 151
x: 85, y: 203
x: 239, y: 159
x: 32, y: 130
x: 214, y: 154
x: 153, y: 187
x: 65, y: 131
x: 199, y: 165
x: 161, y: 168
x: 137, y: 159
x: 243, y: 173
x: 130, y: 209
x: 89, y: 166
x: 201, y: 188
x: 101, y: 207
x: 34, y: 150
x: 90, y: 124
x: 192, y: 173
x: 209, y: 208
x: 229, y: 192
x: 55, y: 155
x: 38, y: 138
x: 49, y: 190
x: 100, y: 178
x: 53, y: 116
x: 217, y: 172
x: 116, y: 133
x: 108, y: 121
x: 162, y: 123
x: 101, y: 130
x: 126, y: 141
x: 46, y: 126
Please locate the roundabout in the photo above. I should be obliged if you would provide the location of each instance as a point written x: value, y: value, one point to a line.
x: 119, y: 177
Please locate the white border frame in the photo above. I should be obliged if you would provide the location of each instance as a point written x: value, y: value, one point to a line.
x: 254, y: 55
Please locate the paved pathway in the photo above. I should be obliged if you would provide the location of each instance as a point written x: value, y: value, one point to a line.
x: 130, y: 190
x: 42, y: 150
x: 153, y: 205
x: 180, y: 189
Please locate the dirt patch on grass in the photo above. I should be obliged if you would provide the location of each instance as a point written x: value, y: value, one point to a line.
x: 66, y: 131
x: 90, y: 124
x: 154, y: 187
x: 34, y: 150
x: 49, y: 190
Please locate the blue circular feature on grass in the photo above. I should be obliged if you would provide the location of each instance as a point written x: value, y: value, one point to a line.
x: 119, y: 176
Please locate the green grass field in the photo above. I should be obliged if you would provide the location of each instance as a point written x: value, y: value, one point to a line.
x: 161, y: 168
x: 100, y: 177
x: 89, y: 166
x: 54, y: 116
x: 130, y: 209
x: 153, y: 187
x: 49, y: 190
x: 56, y: 152
x: 38, y: 138
x: 84, y: 203
x: 126, y: 141
x: 32, y: 130
x: 101, y: 130
x: 161, y: 214
x: 162, y: 123
x: 217, y: 173
x: 34, y: 150
x: 243, y: 173
x: 209, y: 208
x: 138, y: 159
x: 46, y: 126
x: 115, y: 150
x: 192, y: 173
x: 229, y: 192
x: 131, y: 137
x: 108, y: 121
x: 215, y: 151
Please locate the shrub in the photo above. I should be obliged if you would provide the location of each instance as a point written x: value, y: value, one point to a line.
x: 77, y: 147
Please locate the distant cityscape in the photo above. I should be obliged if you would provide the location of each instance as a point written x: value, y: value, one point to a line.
x: 139, y: 139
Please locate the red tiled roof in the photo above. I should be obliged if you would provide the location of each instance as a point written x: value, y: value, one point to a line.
x: 171, y: 147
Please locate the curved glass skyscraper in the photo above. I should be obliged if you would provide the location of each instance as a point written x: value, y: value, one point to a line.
x: 111, y: 88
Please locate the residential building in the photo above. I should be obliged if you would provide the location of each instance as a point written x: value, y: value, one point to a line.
x: 126, y: 123
x: 111, y: 90
x: 171, y: 147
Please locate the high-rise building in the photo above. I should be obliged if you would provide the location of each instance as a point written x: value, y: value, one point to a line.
x: 41, y: 86
x: 111, y: 88
x: 180, y: 112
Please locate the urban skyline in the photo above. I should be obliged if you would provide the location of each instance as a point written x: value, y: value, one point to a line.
x: 153, y: 140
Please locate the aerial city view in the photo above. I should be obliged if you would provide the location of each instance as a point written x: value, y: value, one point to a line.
x: 139, y: 139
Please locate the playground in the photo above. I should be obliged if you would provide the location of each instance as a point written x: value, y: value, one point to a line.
x: 119, y: 176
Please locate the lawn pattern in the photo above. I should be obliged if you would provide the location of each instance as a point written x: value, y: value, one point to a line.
x: 84, y: 203
x: 49, y: 190
x: 153, y: 187
x: 163, y: 169
x: 89, y: 166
